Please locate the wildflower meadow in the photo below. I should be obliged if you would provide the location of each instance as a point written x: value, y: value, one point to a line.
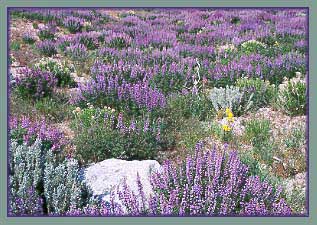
x: 157, y: 112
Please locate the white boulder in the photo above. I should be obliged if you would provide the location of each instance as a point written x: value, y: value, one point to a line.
x: 106, y: 176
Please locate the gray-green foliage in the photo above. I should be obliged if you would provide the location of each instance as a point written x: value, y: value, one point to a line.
x: 40, y: 182
x: 296, y: 138
x: 26, y: 172
x: 297, y: 200
x: 230, y: 97
x: 62, y: 187
x: 292, y: 96
x: 262, y: 92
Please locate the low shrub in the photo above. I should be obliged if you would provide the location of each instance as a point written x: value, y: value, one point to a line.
x: 46, y: 33
x: 296, y: 138
x: 35, y: 25
x: 47, y: 48
x: 23, y: 130
x: 73, y: 24
x: 262, y: 92
x: 258, y: 131
x: 15, y: 46
x: 25, y: 174
x: 133, y: 98
x: 187, y: 105
x: 34, y: 83
x: 292, y: 96
x: 28, y: 38
x: 294, y: 155
x: 60, y: 70
x: 88, y: 39
x: 230, y: 97
x: 55, y: 108
x: 102, y: 134
x: 118, y: 40
x: 252, y: 46
x: 77, y: 52
x: 63, y: 188
x: 63, y: 42
x: 191, y: 131
x: 41, y: 183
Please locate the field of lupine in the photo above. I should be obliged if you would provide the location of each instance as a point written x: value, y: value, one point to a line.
x: 216, y: 96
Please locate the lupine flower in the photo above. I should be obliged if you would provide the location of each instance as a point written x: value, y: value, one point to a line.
x: 77, y: 52
x: 35, y: 83
x: 36, y: 129
x: 73, y: 24
x: 214, y: 184
x: 47, y: 48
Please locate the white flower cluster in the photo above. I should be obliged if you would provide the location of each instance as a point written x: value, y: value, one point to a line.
x: 251, y: 43
x: 226, y: 47
x: 298, y: 79
x: 58, y: 65
x: 292, y: 94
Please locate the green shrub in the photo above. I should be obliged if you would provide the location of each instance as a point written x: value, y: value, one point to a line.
x: 35, y: 83
x: 188, y: 106
x: 163, y: 82
x: 192, y: 132
x: 35, y: 25
x: 41, y: 182
x: 265, y: 152
x: 262, y: 92
x: 293, y: 155
x: 292, y: 97
x: 28, y: 39
x: 102, y: 134
x: 296, y: 139
x: 60, y: 70
x: 256, y: 168
x: 252, y: 46
x: 296, y: 199
x: 118, y: 42
x: 15, y: 46
x: 46, y: 33
x: 257, y: 131
x: 55, y: 108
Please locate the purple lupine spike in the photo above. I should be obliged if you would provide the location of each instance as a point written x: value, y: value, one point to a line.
x: 141, y: 192
x: 132, y: 127
x: 120, y: 124
x: 146, y: 124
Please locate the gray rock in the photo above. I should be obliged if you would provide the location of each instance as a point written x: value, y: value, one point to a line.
x: 106, y: 176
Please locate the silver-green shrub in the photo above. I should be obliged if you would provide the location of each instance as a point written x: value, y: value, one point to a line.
x: 25, y: 175
x: 41, y: 183
x: 62, y: 187
x: 230, y: 97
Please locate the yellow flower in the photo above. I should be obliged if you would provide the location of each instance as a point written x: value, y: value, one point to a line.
x: 228, y: 111
x: 229, y: 115
x: 226, y: 128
